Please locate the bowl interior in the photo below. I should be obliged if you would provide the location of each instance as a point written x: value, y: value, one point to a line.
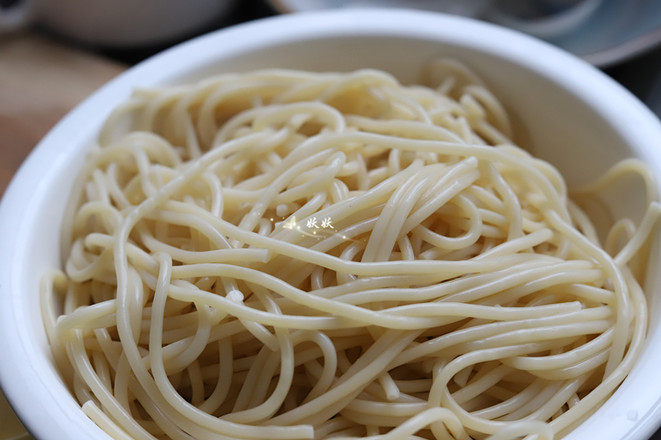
x: 566, y: 112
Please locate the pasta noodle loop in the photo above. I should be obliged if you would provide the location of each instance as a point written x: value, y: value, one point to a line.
x: 293, y: 255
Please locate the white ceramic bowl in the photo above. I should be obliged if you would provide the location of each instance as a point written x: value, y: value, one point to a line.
x: 575, y: 116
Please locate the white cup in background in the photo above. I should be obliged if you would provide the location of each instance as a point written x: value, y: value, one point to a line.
x: 543, y: 18
x: 116, y: 23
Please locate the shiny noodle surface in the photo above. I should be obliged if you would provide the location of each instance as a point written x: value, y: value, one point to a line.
x: 292, y: 255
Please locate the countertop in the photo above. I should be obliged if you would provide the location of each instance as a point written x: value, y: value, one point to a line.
x: 40, y: 81
x: 43, y: 77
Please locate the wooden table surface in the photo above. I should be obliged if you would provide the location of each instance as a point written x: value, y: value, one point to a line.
x: 40, y: 81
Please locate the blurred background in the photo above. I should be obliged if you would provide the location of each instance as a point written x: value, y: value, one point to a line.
x: 54, y: 53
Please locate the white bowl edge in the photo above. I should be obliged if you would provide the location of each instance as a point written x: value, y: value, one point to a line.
x: 26, y: 201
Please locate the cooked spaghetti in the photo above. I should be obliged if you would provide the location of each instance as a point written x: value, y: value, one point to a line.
x: 292, y: 255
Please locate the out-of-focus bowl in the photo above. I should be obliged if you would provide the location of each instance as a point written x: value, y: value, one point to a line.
x: 117, y: 23
x: 572, y: 114
x: 602, y: 32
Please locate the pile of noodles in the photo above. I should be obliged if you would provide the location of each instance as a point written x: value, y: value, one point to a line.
x: 292, y: 255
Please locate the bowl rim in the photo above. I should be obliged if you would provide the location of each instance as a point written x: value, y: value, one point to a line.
x: 26, y: 378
